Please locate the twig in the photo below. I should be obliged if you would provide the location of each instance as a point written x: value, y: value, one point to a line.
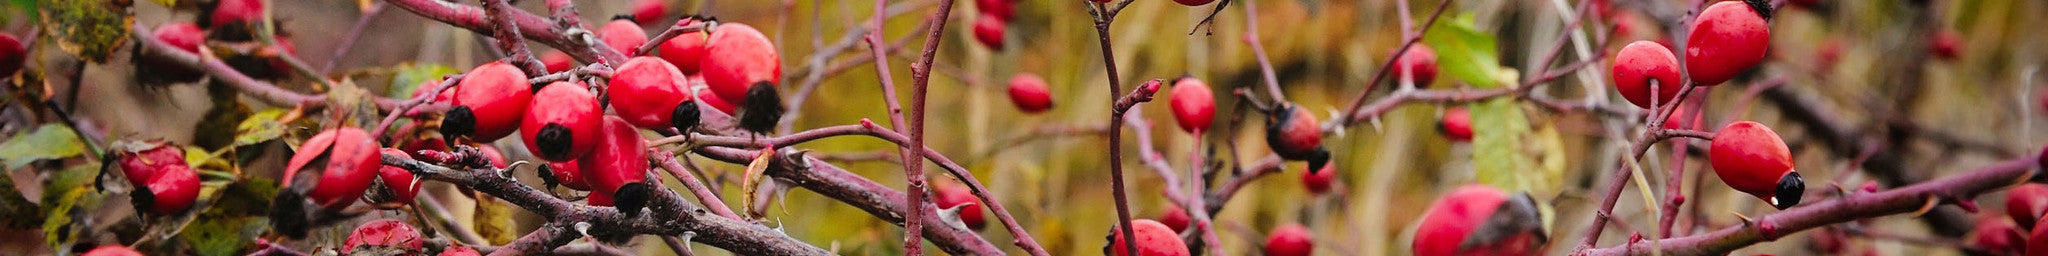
x: 920, y: 75
x: 709, y: 199
x: 1251, y: 37
x: 349, y: 41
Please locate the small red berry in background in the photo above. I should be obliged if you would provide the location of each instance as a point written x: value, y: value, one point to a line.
x: 988, y: 30
x: 618, y: 166
x: 567, y: 174
x: 234, y: 15
x: 399, y: 187
x: 1030, y: 93
x: 737, y: 58
x: 1289, y: 240
x: 622, y: 35
x: 1194, y: 106
x: 1946, y: 45
x: 2026, y: 203
x: 647, y: 12
x: 1320, y: 182
x: 557, y: 61
x: 646, y: 92
x: 953, y: 195
x: 383, y: 237
x: 563, y: 122
x: 1751, y: 158
x: 686, y: 50
x: 350, y: 162
x: 1419, y: 62
x: 112, y: 250
x: 1456, y: 221
x: 489, y: 101
x: 1000, y: 9
x: 1175, y: 217
x: 1294, y: 134
x: 459, y: 250
x: 1998, y: 236
x: 1457, y: 124
x: 1154, y: 239
x: 1726, y: 38
x: 184, y: 36
x: 1640, y: 63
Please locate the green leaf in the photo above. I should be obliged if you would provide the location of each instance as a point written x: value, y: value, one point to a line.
x: 92, y: 29
x: 66, y: 197
x: 1498, y: 130
x: 260, y: 127
x: 409, y: 77
x: 50, y: 141
x: 234, y: 218
x: 1464, y: 51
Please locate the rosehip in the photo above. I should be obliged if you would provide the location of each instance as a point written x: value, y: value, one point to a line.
x: 738, y: 57
x: 1289, y: 240
x: 329, y: 171
x: 2037, y: 240
x: 140, y: 166
x: 1194, y: 2
x: 112, y: 250
x: 1319, y: 181
x: 649, y: 93
x: 703, y: 93
x: 383, y: 237
x: 622, y: 35
x: 1003, y: 9
x: 1480, y: 220
x: 1154, y: 239
x: 1998, y: 237
x: 557, y: 61
x: 617, y: 168
x: 11, y: 54
x: 492, y: 155
x: 489, y: 101
x: 1457, y: 124
x: 1294, y: 135
x: 1194, y: 106
x: 171, y: 191
x: 563, y: 124
x: 1947, y: 45
x: 649, y: 11
x: 970, y: 207
x: 459, y: 250
x: 988, y: 30
x: 232, y: 20
x: 564, y: 173
x: 1726, y: 38
x: 1030, y: 93
x: 184, y: 36
x: 398, y: 182
x: 684, y: 51
x: 1175, y: 217
x: 1419, y: 62
x: 2026, y: 203
x: 1751, y: 158
x: 1641, y: 63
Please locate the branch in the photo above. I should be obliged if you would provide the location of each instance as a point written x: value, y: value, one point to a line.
x: 576, y: 41
x: 879, y: 200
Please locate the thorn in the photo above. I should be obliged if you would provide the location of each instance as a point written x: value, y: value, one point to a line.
x: 1928, y: 205
x: 583, y: 228
x: 1746, y: 221
x: 507, y: 171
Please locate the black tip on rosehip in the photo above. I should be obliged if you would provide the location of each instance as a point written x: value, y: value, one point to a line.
x: 554, y: 141
x: 1318, y: 159
x: 631, y: 197
x: 288, y: 214
x: 1762, y: 7
x: 1790, y: 188
x: 622, y: 17
x: 685, y: 117
x: 460, y: 121
x: 763, y: 108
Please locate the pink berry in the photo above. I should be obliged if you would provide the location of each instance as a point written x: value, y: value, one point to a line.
x: 988, y: 30
x: 1289, y: 240
x: 1194, y: 106
x: 1030, y: 93
x: 1320, y: 181
x: 1457, y: 124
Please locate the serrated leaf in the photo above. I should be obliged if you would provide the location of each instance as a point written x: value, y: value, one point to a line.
x: 409, y: 77
x: 494, y: 220
x: 1498, y: 131
x: 50, y: 141
x: 91, y: 29
x: 260, y: 127
x: 1464, y: 51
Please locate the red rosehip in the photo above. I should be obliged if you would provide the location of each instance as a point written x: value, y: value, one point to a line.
x: 737, y: 58
x: 112, y: 250
x: 398, y: 182
x: 2037, y: 240
x: 1154, y: 239
x: 1194, y: 106
x: 171, y: 191
x: 1289, y: 240
x: 1479, y: 220
x: 1998, y: 237
x: 704, y: 93
x: 618, y: 166
x: 142, y: 165
x: 685, y: 51
x: 1726, y: 38
x: 236, y: 12
x: 1001, y: 9
x: 2026, y: 203
x: 1751, y: 158
x: 459, y: 250
x: 1420, y: 62
x: 1030, y: 93
x: 649, y: 11
x: 557, y: 61
x: 596, y: 199
x: 988, y: 30
x: 1175, y: 217
x: 565, y: 173
x: 1640, y: 63
x: 970, y: 207
x: 1194, y: 2
x: 649, y: 93
x: 489, y: 101
x: 1457, y: 124
x: 622, y: 35
x: 1947, y: 45
x: 183, y: 36
x: 1294, y: 134
x: 491, y: 153
x: 338, y: 163
x: 383, y: 236
x: 1319, y: 181
x: 563, y: 123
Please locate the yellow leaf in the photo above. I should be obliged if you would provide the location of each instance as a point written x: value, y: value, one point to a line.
x: 751, y: 182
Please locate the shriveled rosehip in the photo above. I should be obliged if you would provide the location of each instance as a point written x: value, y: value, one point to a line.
x: 339, y: 165
x: 618, y: 166
x: 489, y: 101
x: 1294, y: 134
x: 112, y: 250
x: 1194, y: 106
x: 383, y: 237
x: 1175, y: 217
x: 649, y: 11
x: 1726, y: 38
x: 648, y: 92
x: 1030, y: 93
x: 563, y: 123
x: 1154, y: 239
x: 1457, y: 124
x: 1998, y: 236
x: 1419, y: 62
x: 399, y: 186
x: 1480, y: 220
x: 1319, y: 181
x: 737, y: 58
x: 565, y: 173
x: 970, y: 207
x: 171, y: 191
x: 1749, y: 157
x: 1638, y: 65
x: 2026, y: 204
x: 685, y: 51
x: 459, y: 250
x: 622, y: 35
x: 1946, y: 45
x: 1289, y: 240
x: 1194, y: 2
x: 557, y: 61
x: 183, y: 36
x: 988, y: 30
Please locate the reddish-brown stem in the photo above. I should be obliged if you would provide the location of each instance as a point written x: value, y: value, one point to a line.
x: 354, y: 33
x: 1358, y: 103
x: 1103, y: 16
x: 507, y: 34
x: 667, y: 162
x: 1251, y: 37
x: 920, y: 76
x: 576, y: 41
x: 881, y: 201
x: 221, y: 72
x: 670, y: 33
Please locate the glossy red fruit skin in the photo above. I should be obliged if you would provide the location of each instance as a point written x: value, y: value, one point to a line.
x: 598, y: 199
x: 352, y: 160
x: 988, y: 30
x: 1193, y: 105
x: 1946, y: 45
x: 491, y: 153
x: 2037, y: 240
x: 1320, y: 182
x: 112, y: 250
x: 568, y: 174
x: 1453, y: 217
x: 143, y: 166
x: 704, y: 94
x: 228, y: 12
x: 737, y: 57
x: 11, y: 55
x: 622, y: 35
x: 1998, y: 236
x: 557, y: 61
x: 956, y: 195
x: 1175, y: 217
x: 384, y: 232
x: 1298, y: 136
x: 569, y: 106
x: 1002, y: 9
x: 1289, y: 240
x: 646, y: 90
x: 181, y: 35
x: 685, y: 51
x: 1641, y: 62
x: 497, y: 93
x: 1421, y: 61
x: 1030, y: 93
x: 649, y: 11
x: 2026, y: 203
x: 1457, y: 124
x: 1751, y: 158
x: 620, y: 158
x: 173, y: 190
x: 1194, y: 2
x: 458, y: 250
x: 1726, y: 38
x: 1154, y: 239
x: 399, y: 180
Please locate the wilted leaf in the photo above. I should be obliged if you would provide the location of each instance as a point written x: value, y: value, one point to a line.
x: 352, y: 105
x: 494, y: 220
x: 751, y: 181
x: 63, y: 196
x: 260, y: 127
x: 409, y: 77
x: 91, y: 29
x: 1464, y: 51
x: 50, y: 141
x: 1546, y: 146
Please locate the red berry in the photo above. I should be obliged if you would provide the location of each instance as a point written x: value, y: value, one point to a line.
x: 112, y: 250
x: 491, y: 153
x: 1194, y: 2
x: 1751, y: 158
x: 141, y: 166
x: 1001, y: 9
x: 1999, y: 237
x: 1457, y: 124
x: 349, y: 161
x: 737, y: 58
x: 1294, y: 134
x: 649, y: 11
x: 459, y: 250
x: 618, y: 166
x: 648, y: 93
x: 382, y: 237
x: 489, y: 101
x: 1289, y: 240
x: 622, y: 35
x: 1030, y: 93
x: 233, y: 12
x: 1194, y: 106
x: 2037, y: 240
x: 1464, y: 222
x: 1947, y: 45
x: 1175, y: 217
x: 399, y: 186
x: 563, y: 123
x: 181, y: 35
x: 557, y: 61
x: 170, y: 191
x: 1726, y: 38
x: 1641, y: 62
x: 1421, y: 61
x: 703, y: 93
x: 970, y: 207
x: 1319, y: 181
x: 567, y: 174
x: 1154, y: 239
x: 2026, y: 203
x: 988, y: 30
x: 685, y: 51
